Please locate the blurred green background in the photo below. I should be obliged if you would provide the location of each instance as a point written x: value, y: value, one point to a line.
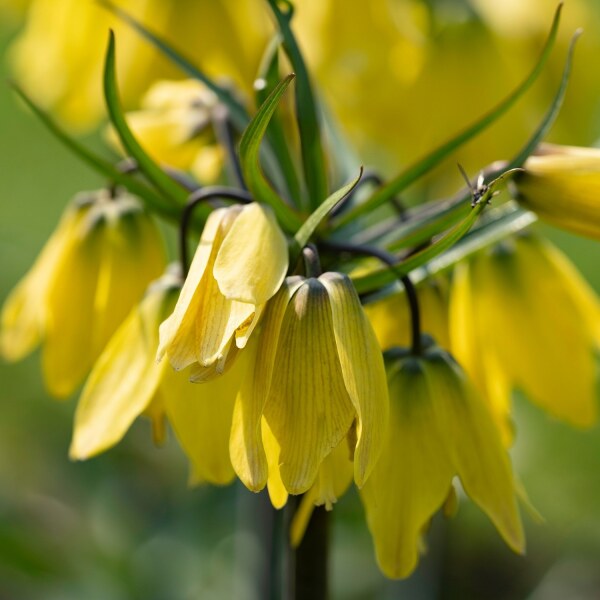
x: 126, y: 525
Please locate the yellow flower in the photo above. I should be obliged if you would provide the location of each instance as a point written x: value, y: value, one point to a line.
x: 127, y: 382
x: 522, y: 317
x: 318, y: 379
x: 174, y: 125
x: 59, y: 56
x: 240, y: 263
x: 390, y: 316
x: 93, y: 269
x: 562, y: 185
x: 439, y: 428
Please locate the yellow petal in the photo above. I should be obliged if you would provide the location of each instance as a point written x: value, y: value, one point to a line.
x: 246, y: 446
x: 201, y: 416
x: 363, y: 371
x: 277, y: 492
x: 308, y: 407
x: 123, y: 381
x: 413, y: 476
x: 474, y: 446
x: 253, y: 258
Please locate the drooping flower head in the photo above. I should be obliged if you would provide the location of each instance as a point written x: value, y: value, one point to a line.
x: 241, y: 260
x: 522, y: 317
x: 439, y: 428
x: 318, y: 380
x: 92, y: 270
x: 562, y: 185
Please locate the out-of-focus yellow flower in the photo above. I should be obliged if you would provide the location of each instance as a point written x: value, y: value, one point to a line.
x: 562, y: 185
x: 390, y: 317
x: 58, y: 58
x: 439, y: 428
x: 127, y: 382
x: 240, y: 263
x: 93, y: 269
x: 318, y: 379
x: 174, y: 125
x: 522, y: 317
x: 14, y: 8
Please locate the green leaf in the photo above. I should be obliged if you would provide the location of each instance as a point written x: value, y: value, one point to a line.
x: 147, y: 166
x: 249, y: 157
x: 102, y: 166
x: 313, y: 158
x: 268, y: 78
x: 425, y: 164
x: 236, y: 109
x: 381, y: 277
x: 316, y: 218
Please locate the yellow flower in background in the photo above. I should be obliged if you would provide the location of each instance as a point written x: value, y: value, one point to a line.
x: 390, y: 316
x: 126, y: 382
x: 562, y: 185
x: 58, y: 57
x: 439, y: 428
x: 93, y: 269
x: 522, y: 317
x: 318, y: 379
x: 240, y: 263
x: 174, y: 125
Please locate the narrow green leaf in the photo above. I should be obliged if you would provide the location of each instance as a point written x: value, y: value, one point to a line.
x: 316, y: 218
x: 236, y: 109
x: 377, y: 279
x: 151, y: 170
x: 102, y: 166
x: 424, y: 165
x: 313, y: 158
x: 268, y: 78
x: 249, y: 157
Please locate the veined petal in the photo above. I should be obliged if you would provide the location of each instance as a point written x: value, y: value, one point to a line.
x: 253, y: 258
x: 474, y: 446
x: 277, y: 492
x: 246, y: 445
x: 201, y: 416
x: 362, y: 368
x: 178, y: 332
x: 123, y: 381
x: 308, y: 407
x: 413, y: 476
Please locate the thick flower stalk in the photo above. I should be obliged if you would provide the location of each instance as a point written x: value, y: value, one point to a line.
x: 562, y: 185
x: 240, y: 263
x: 522, y: 317
x: 318, y: 380
x: 93, y: 269
x: 439, y: 428
x: 127, y: 382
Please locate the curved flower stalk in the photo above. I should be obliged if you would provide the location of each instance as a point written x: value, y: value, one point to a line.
x: 390, y: 316
x: 318, y: 379
x: 174, y: 127
x: 240, y: 263
x: 522, y: 317
x: 562, y: 185
x: 439, y: 428
x: 93, y: 269
x: 127, y: 382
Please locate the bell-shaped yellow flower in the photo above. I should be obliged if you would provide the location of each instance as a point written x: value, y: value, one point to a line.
x: 174, y: 125
x: 318, y: 377
x: 390, y: 316
x: 562, y: 185
x: 522, y: 317
x: 93, y: 269
x: 240, y: 263
x: 127, y: 382
x: 439, y: 428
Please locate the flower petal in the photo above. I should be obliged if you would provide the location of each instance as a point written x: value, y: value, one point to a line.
x: 277, y: 492
x: 253, y: 258
x: 363, y: 371
x: 308, y: 407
